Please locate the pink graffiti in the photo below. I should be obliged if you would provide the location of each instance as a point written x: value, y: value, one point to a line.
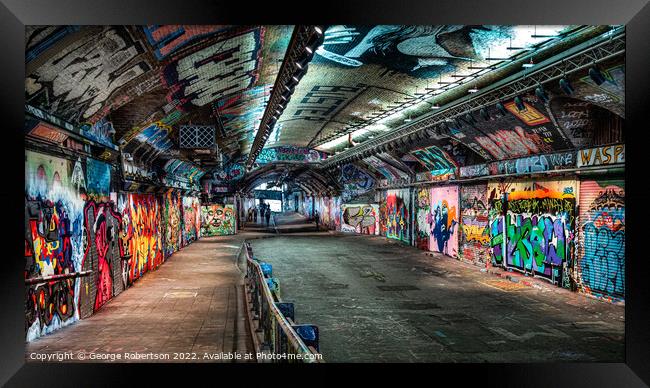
x: 504, y: 144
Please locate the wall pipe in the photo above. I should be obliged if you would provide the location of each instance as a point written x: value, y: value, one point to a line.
x: 578, y: 171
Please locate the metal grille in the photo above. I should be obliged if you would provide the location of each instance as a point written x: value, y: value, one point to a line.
x: 197, y: 136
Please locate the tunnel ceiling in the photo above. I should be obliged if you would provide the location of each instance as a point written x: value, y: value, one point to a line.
x: 134, y: 86
x: 361, y: 72
x: 148, y: 80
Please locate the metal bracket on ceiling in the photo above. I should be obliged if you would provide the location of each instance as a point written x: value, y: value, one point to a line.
x: 304, y: 42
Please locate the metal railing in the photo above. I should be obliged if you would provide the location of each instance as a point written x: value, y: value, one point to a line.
x: 277, y: 337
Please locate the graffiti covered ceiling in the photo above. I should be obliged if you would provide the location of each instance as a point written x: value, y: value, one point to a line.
x: 134, y: 86
x: 360, y: 72
x: 147, y: 80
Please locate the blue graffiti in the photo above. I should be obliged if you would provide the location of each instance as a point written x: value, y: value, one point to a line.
x: 603, y: 265
x: 98, y: 177
x: 441, y: 229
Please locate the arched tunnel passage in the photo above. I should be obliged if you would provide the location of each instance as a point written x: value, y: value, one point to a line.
x: 334, y: 207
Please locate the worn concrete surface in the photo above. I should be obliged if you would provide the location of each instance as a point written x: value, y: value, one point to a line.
x: 377, y: 300
x: 191, y: 305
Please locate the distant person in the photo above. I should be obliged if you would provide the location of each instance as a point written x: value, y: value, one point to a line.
x: 268, y: 215
x: 255, y: 215
x: 316, y: 218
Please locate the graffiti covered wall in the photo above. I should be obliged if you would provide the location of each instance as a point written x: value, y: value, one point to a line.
x: 53, y: 244
x: 532, y: 227
x: 141, y: 235
x: 474, y: 236
x: 600, y: 267
x: 361, y: 218
x: 102, y: 256
x: 172, y: 222
x: 355, y: 182
x: 398, y: 215
x: 191, y: 220
x: 443, y: 220
x: 217, y: 220
x: 422, y: 217
x: 84, y: 247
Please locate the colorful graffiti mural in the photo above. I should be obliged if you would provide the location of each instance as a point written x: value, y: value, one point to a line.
x: 203, y: 76
x: 398, y: 215
x: 78, y: 81
x: 102, y: 256
x: 232, y: 172
x: 532, y: 227
x: 600, y: 268
x: 613, y: 154
x: 503, y: 144
x: 532, y: 164
x: 172, y: 222
x: 355, y: 181
x: 474, y: 235
x: 289, y: 153
x: 335, y: 213
x: 98, y: 177
x: 141, y: 235
x: 435, y: 160
x: 167, y: 39
x: 362, y: 218
x: 422, y: 217
x: 389, y: 171
x: 474, y: 170
x: 101, y: 132
x: 191, y: 220
x: 444, y: 220
x: 53, y: 244
x: 217, y: 220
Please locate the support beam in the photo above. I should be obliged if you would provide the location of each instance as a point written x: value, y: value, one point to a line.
x: 304, y: 42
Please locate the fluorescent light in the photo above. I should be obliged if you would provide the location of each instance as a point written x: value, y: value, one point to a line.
x: 318, y: 30
x: 472, y: 90
x: 309, y: 49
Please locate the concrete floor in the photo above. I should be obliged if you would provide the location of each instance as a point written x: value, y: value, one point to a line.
x: 377, y: 300
x: 193, y: 303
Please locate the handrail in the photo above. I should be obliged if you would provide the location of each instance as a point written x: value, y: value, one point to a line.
x: 279, y: 337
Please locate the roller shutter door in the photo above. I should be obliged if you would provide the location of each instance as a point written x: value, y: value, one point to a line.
x: 600, y: 266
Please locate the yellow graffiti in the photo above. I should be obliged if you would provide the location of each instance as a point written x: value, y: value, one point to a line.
x: 476, y: 233
x: 540, y: 193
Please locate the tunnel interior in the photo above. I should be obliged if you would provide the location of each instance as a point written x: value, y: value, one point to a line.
x: 499, y: 146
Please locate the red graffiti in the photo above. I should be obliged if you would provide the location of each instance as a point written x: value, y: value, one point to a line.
x: 102, y: 224
x: 504, y: 144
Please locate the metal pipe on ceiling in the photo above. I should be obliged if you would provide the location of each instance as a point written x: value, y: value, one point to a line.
x: 592, y: 45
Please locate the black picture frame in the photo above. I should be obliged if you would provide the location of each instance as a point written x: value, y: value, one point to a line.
x: 635, y: 14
